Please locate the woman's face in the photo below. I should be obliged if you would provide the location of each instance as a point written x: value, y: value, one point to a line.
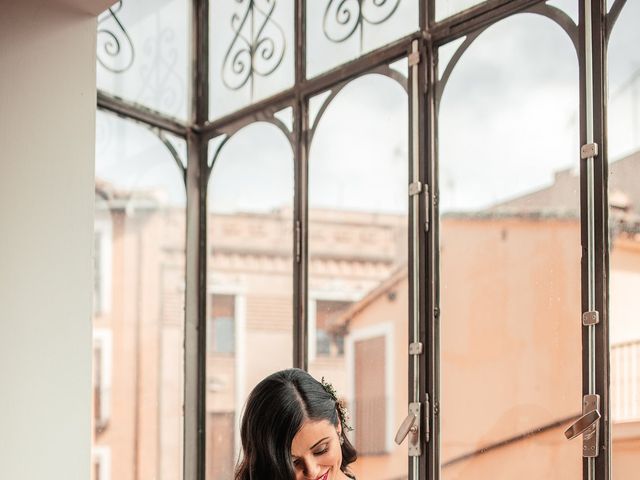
x: 316, y: 451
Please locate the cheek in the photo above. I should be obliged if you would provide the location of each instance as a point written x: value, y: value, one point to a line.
x: 337, y: 456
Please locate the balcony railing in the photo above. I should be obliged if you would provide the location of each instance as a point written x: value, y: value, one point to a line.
x: 625, y: 381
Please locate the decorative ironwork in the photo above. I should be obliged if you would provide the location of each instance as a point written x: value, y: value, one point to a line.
x: 115, y: 48
x: 343, y: 18
x: 257, y: 47
x: 161, y: 83
x: 180, y: 160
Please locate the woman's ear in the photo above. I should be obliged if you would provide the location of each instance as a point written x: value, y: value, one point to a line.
x: 339, y: 427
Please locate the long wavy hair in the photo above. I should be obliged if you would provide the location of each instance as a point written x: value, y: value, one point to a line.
x: 275, y: 411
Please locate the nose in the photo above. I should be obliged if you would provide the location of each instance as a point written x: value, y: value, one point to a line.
x: 311, y: 469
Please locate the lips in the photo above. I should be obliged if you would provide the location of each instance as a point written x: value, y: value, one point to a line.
x: 324, y: 477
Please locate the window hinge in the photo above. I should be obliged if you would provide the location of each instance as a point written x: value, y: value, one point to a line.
x: 427, y: 417
x: 416, y: 188
x: 427, y: 202
x: 298, y: 241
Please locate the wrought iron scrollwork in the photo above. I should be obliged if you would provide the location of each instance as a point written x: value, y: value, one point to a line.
x: 258, y: 45
x: 343, y: 18
x: 115, y: 48
x: 161, y: 83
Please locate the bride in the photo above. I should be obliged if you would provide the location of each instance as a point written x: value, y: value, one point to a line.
x: 294, y: 428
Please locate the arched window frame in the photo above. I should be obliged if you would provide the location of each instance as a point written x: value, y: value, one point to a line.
x: 420, y: 47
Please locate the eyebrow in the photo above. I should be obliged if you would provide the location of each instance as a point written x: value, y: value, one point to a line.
x: 314, y: 445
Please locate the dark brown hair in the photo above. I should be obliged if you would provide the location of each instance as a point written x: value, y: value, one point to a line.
x: 275, y: 411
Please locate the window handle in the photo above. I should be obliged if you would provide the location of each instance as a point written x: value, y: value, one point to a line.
x: 411, y: 427
x: 408, y: 425
x: 582, y: 424
x: 588, y: 425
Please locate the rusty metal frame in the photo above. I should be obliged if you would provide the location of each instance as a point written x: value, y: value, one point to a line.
x: 199, y: 130
x: 195, y: 350
x: 141, y: 114
x: 598, y: 468
x: 300, y: 207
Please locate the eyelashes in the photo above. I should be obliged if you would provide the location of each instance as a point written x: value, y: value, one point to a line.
x: 298, y: 463
x: 324, y: 450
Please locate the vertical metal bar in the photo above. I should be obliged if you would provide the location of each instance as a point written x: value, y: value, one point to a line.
x: 415, y: 236
x: 415, y: 220
x: 432, y: 366
x: 601, y: 237
x: 200, y: 62
x: 301, y: 354
x: 196, y: 251
x: 428, y: 16
x: 195, y: 306
x: 300, y: 149
x: 588, y: 102
x: 300, y: 350
x: 300, y: 42
x: 595, y: 215
x: 590, y: 188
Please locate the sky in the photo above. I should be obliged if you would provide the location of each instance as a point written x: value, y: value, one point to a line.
x: 508, y: 117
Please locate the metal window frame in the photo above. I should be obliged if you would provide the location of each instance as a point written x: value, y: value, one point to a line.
x: 595, y: 339
x: 431, y: 34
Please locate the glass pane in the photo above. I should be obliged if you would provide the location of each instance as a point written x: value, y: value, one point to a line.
x: 358, y: 265
x: 138, y: 312
x: 446, y: 53
x: 249, y: 291
x: 143, y: 54
x: 624, y: 224
x: 339, y: 30
x: 286, y: 117
x: 446, y: 8
x: 251, y: 52
x: 510, y: 256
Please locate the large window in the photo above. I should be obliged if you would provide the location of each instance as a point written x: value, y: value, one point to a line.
x: 418, y: 200
x: 138, y: 319
x: 509, y: 254
x: 143, y: 54
x: 249, y: 275
x: 358, y: 167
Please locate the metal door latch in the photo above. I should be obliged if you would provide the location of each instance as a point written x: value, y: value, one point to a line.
x: 590, y: 318
x: 411, y: 427
x: 589, y: 150
x: 587, y: 425
x: 415, y: 188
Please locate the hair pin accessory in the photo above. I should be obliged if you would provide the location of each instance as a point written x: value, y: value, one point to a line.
x: 343, y: 413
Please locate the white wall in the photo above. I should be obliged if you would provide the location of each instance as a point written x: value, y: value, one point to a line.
x: 47, y: 112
